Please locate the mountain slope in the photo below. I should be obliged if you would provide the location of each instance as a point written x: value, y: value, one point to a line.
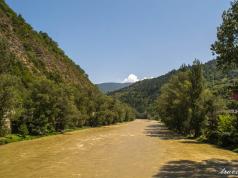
x: 110, y: 87
x: 41, y: 89
x: 142, y: 95
x: 37, y: 51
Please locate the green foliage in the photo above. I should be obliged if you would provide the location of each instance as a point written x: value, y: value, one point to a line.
x: 189, y: 107
x: 227, y: 38
x: 174, y: 102
x: 42, y: 90
x: 44, y: 106
x: 23, y: 130
x: 9, y: 139
x: 226, y: 123
x: 226, y: 133
x: 197, y: 97
x: 185, y: 105
x: 226, y: 49
x: 142, y: 95
x: 11, y: 101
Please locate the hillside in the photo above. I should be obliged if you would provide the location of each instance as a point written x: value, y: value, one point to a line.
x: 41, y: 89
x: 37, y: 52
x: 142, y: 95
x: 110, y: 87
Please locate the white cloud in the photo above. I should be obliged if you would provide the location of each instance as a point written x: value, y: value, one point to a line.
x: 132, y: 78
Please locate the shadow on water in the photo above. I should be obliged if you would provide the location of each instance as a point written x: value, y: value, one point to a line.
x: 186, y: 168
x: 161, y: 131
x: 206, y: 169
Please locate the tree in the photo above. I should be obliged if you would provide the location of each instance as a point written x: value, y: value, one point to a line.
x: 185, y: 104
x: 214, y: 105
x: 174, y: 102
x: 226, y: 46
x: 197, y: 87
x: 11, y: 102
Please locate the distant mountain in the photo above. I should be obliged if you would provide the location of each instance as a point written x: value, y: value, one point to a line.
x: 110, y: 87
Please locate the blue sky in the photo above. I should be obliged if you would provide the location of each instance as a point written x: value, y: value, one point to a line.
x: 111, y: 39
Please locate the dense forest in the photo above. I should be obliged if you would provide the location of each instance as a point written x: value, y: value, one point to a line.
x: 198, y: 100
x: 43, y: 91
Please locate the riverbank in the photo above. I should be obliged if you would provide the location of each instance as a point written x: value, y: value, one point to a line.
x: 202, y: 139
x: 11, y: 138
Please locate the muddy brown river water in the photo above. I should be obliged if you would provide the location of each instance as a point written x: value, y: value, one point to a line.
x: 138, y: 149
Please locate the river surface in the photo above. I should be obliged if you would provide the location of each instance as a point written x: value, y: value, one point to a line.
x: 138, y: 149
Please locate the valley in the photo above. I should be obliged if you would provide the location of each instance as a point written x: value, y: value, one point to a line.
x: 183, y: 123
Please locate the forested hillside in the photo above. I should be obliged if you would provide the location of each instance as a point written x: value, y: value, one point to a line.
x: 41, y: 89
x: 143, y: 94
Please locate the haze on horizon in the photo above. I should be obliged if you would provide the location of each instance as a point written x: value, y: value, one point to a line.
x: 112, y: 39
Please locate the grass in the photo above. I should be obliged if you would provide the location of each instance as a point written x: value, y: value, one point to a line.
x: 17, y: 137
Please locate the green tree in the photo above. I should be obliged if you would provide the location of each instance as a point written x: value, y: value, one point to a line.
x: 226, y: 46
x: 197, y: 87
x: 226, y: 49
x: 174, y: 102
x: 214, y: 106
x: 185, y: 104
x: 11, y: 102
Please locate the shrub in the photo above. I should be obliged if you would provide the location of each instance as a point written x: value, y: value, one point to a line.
x: 23, y: 130
x: 225, y: 123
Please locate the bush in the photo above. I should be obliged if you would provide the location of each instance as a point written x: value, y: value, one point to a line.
x: 23, y: 130
x: 3, y: 141
x: 213, y: 137
x: 226, y: 134
x: 226, y: 123
x: 226, y: 139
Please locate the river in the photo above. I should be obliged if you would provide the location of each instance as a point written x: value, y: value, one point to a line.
x: 138, y: 149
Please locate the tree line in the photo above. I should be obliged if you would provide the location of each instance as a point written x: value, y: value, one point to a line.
x: 192, y: 106
x: 42, y: 106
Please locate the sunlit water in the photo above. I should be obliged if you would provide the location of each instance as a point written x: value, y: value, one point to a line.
x: 139, y: 149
